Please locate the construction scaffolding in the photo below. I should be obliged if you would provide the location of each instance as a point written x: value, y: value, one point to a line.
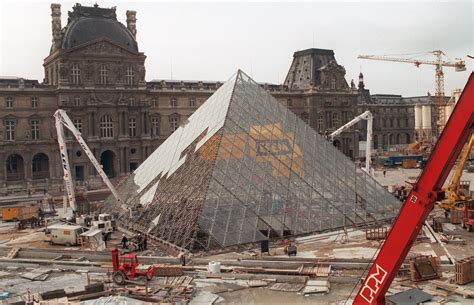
x: 244, y: 168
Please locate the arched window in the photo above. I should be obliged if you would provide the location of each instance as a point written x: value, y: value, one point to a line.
x: 399, y: 139
x: 333, y: 83
x: 40, y: 166
x: 106, y: 126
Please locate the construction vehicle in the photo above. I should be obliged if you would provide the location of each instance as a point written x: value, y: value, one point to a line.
x: 420, y: 201
x: 62, y: 119
x: 455, y: 197
x: 367, y: 115
x: 105, y: 223
x: 459, y: 65
x: 398, y: 160
x: 126, y: 268
x: 467, y: 220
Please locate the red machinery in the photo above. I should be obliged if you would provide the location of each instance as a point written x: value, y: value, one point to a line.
x: 126, y: 267
x: 420, y: 200
x: 468, y: 216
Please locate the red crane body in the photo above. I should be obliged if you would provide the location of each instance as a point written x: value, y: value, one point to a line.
x: 420, y: 201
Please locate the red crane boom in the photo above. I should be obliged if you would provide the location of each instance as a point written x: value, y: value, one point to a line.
x: 420, y: 201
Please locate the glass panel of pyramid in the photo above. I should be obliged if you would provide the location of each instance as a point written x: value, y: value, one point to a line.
x: 244, y: 168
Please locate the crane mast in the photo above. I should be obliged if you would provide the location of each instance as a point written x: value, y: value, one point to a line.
x: 62, y: 119
x: 439, y: 63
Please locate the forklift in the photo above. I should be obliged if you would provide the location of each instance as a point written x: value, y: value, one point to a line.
x: 467, y: 221
x: 126, y: 268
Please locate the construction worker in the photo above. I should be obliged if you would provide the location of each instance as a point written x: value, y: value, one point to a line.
x: 145, y: 242
x: 105, y: 237
x: 124, y: 242
x: 140, y: 242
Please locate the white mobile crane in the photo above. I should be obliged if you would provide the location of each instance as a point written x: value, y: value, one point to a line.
x: 62, y: 119
x: 367, y: 115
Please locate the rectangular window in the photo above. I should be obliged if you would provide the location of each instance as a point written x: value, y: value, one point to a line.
x: 321, y: 123
x: 76, y: 74
x: 77, y: 101
x: 174, y: 121
x: 155, y: 126
x: 132, y: 127
x: 9, y: 102
x: 154, y: 102
x: 78, y: 124
x: 79, y: 173
x: 289, y: 103
x: 35, y: 129
x: 104, y: 74
x: 129, y: 75
x: 192, y: 102
x: 34, y: 102
x: 335, y: 120
x: 174, y: 102
x: 10, y: 130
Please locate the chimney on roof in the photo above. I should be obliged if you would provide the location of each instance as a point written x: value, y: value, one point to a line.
x: 56, y: 26
x: 132, y: 23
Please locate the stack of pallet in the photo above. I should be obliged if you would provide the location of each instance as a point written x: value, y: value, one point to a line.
x: 464, y: 271
x: 168, y: 270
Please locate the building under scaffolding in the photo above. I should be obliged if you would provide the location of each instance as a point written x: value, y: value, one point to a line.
x: 244, y: 168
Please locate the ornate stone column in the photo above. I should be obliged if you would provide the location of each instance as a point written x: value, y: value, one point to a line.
x: 56, y: 26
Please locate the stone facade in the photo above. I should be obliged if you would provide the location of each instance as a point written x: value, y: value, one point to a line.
x: 394, y: 117
x: 99, y: 78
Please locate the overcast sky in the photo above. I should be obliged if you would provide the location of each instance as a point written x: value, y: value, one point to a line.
x: 211, y: 40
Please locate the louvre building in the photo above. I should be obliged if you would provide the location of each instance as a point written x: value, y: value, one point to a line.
x: 244, y: 168
x: 96, y: 72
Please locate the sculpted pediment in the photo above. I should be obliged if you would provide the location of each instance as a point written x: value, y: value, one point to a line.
x: 102, y: 46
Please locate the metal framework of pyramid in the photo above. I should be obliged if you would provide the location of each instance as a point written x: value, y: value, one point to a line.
x: 244, y: 168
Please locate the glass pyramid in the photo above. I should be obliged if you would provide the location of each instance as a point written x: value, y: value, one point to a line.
x: 244, y: 168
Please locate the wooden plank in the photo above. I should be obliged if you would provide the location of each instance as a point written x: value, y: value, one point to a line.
x: 465, y: 292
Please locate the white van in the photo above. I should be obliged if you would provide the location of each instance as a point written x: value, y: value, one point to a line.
x: 63, y: 234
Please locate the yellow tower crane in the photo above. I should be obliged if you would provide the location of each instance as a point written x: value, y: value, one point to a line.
x: 439, y: 63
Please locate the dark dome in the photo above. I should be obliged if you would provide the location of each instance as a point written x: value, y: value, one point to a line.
x: 85, y: 29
